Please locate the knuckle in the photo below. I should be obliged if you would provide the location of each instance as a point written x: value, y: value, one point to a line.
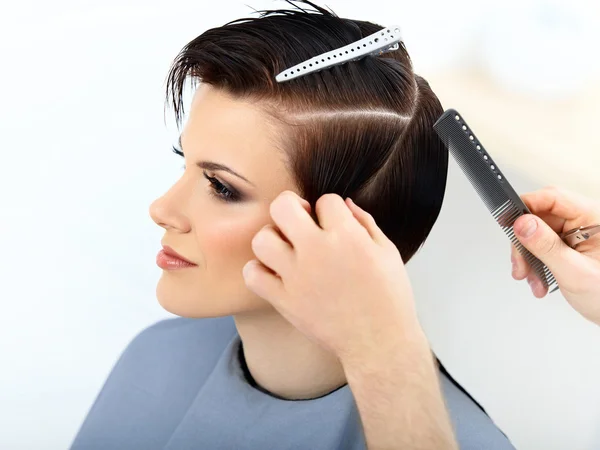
x: 346, y: 225
x: 334, y: 238
x: 549, y: 245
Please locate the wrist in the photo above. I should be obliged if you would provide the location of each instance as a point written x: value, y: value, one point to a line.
x: 400, y: 348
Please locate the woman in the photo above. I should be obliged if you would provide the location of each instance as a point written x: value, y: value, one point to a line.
x: 362, y: 130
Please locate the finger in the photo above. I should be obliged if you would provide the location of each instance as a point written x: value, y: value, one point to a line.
x: 557, y: 223
x: 264, y: 283
x: 292, y: 217
x: 332, y: 211
x: 272, y: 250
x: 304, y: 203
x: 307, y: 208
x: 537, y: 287
x: 520, y: 267
x: 367, y: 221
x: 560, y: 202
x: 537, y: 237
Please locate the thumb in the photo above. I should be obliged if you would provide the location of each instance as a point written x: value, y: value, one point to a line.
x: 541, y: 240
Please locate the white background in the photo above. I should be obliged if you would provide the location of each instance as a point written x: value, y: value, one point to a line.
x: 84, y: 150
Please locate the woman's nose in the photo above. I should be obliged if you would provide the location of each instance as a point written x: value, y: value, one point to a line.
x: 168, y: 213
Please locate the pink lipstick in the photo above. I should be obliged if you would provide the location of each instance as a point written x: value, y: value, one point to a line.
x: 169, y: 259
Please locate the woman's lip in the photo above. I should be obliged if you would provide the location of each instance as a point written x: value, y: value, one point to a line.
x: 167, y: 261
x: 169, y: 251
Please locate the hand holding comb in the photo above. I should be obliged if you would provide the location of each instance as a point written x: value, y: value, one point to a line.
x: 493, y: 188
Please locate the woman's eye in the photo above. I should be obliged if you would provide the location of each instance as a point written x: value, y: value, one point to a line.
x: 221, y: 191
x: 217, y: 188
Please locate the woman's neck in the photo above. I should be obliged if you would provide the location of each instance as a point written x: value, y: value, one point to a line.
x: 283, y: 361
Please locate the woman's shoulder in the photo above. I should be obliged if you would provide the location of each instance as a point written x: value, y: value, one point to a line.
x: 174, y: 340
x: 168, y: 351
x: 153, y: 380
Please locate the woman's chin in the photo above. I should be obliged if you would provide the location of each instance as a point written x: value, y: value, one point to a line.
x: 192, y: 303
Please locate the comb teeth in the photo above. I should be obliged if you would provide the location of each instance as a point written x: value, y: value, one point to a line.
x: 491, y: 185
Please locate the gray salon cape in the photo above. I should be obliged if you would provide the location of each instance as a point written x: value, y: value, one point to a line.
x: 183, y: 384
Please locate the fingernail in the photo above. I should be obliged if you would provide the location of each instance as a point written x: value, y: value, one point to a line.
x: 514, y: 264
x: 528, y: 228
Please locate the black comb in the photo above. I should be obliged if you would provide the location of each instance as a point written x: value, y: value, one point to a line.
x: 502, y: 201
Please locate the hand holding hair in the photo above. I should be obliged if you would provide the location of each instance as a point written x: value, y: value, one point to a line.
x: 343, y: 284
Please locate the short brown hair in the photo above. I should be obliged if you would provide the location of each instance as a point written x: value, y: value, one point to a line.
x: 363, y: 129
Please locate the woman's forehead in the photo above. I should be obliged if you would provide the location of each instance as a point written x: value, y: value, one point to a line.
x: 234, y: 132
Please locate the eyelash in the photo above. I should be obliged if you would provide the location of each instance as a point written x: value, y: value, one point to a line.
x: 218, y: 189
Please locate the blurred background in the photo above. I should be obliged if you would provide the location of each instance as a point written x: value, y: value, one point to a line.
x: 85, y: 149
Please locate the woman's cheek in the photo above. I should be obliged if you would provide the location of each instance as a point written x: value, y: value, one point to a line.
x: 231, y: 240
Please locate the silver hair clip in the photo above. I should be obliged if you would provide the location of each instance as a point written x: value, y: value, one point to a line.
x: 376, y: 44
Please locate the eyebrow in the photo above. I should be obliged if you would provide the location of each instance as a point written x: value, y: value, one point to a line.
x: 213, y: 166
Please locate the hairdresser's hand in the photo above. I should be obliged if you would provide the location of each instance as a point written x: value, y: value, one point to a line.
x: 576, y: 271
x: 342, y: 283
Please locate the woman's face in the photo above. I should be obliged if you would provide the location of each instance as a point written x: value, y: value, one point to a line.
x: 211, y: 215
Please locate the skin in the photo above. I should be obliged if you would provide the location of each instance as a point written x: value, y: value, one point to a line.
x: 265, y: 261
